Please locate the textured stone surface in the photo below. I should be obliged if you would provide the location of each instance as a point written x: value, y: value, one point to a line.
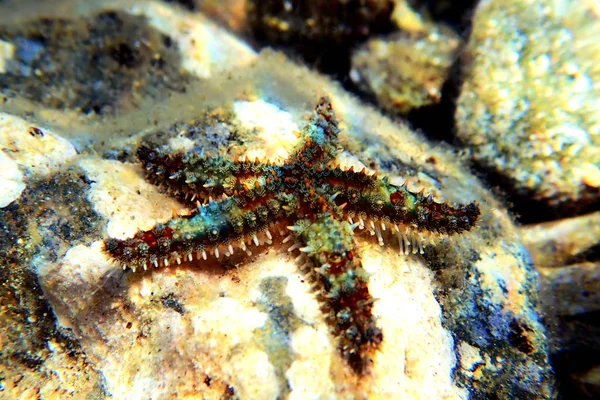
x: 527, y: 105
x: 27, y: 150
x: 120, y: 58
x: 566, y: 253
x: 406, y: 71
x: 562, y: 242
x: 139, y: 61
x: 458, y: 321
x: 37, y: 358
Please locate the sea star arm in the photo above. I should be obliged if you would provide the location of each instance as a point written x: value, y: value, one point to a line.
x: 192, y: 177
x: 368, y: 197
x: 216, y: 227
x: 317, y: 201
x: 330, y: 260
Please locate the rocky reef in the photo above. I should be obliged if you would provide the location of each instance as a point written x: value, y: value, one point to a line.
x: 187, y: 214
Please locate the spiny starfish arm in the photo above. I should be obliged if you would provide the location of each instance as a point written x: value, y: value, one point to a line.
x: 320, y: 136
x: 194, y: 177
x: 368, y: 197
x: 214, y: 229
x: 332, y: 263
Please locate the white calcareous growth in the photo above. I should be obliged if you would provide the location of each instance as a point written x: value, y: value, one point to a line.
x: 11, y: 180
x: 27, y: 150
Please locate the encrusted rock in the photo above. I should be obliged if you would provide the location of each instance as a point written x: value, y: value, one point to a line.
x: 566, y: 253
x: 527, y: 107
x: 406, y: 70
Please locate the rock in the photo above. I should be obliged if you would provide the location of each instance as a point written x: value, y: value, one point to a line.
x: 565, y: 252
x: 231, y: 13
x: 526, y: 107
x: 562, y: 242
x: 407, y: 70
x: 459, y: 321
x: 208, y: 320
x: 119, y: 58
x: 38, y: 359
x: 27, y: 150
x: 11, y: 180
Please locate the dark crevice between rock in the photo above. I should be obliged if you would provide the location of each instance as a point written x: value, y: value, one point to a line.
x: 438, y: 121
x: 321, y: 33
x: 575, y: 342
x: 456, y: 14
x: 189, y: 5
x: 522, y: 204
x: 591, y: 254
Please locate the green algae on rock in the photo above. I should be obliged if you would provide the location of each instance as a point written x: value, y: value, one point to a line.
x: 96, y: 64
x: 528, y: 104
x: 406, y: 70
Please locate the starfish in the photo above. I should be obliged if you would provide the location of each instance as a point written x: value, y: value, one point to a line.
x: 317, y: 202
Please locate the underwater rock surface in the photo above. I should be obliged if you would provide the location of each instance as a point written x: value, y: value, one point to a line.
x: 116, y: 59
x: 459, y: 321
x: 528, y: 104
x: 407, y: 70
x: 566, y: 253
